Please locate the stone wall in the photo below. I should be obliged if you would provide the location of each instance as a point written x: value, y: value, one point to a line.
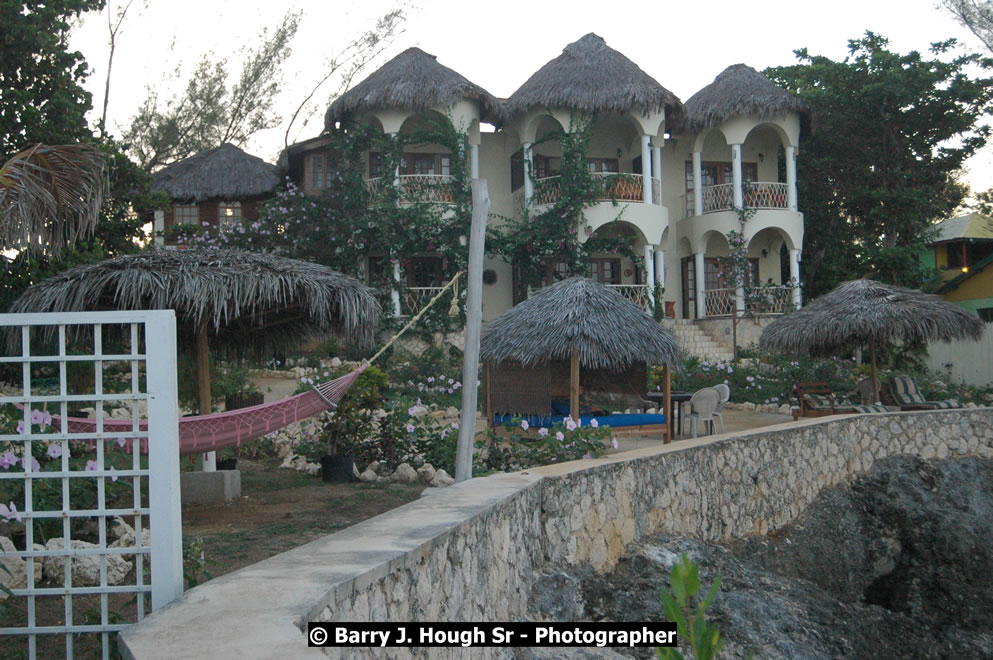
x: 469, y: 552
x: 749, y: 329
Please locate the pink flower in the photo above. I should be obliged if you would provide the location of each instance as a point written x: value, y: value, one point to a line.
x: 46, y: 418
x: 455, y: 425
x: 569, y: 424
x: 54, y: 450
x: 20, y: 427
x: 595, y: 424
x: 7, y: 459
x: 614, y: 443
x: 10, y: 513
x: 33, y: 466
x: 543, y: 432
x: 36, y: 417
x: 524, y: 424
x: 410, y: 428
x: 559, y: 436
x: 91, y: 466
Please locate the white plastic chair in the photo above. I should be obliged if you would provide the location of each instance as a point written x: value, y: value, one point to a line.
x: 703, y: 403
x: 725, y: 393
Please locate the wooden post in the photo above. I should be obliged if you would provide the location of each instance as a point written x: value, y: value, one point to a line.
x: 489, y: 396
x: 203, y: 385
x: 473, y: 326
x: 667, y: 398
x: 574, y: 385
x: 875, y: 378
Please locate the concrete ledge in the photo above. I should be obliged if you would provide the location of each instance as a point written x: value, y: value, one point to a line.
x: 209, y: 487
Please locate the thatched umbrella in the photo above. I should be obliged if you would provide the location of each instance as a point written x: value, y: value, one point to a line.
x: 239, y: 297
x: 413, y: 80
x: 864, y: 312
x: 590, y: 76
x: 739, y: 90
x: 225, y: 172
x: 582, y: 321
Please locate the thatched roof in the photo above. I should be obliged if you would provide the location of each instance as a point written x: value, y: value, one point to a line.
x: 243, y: 296
x: 224, y: 173
x: 608, y: 330
x: 739, y: 90
x: 861, y: 312
x: 592, y: 77
x: 413, y: 80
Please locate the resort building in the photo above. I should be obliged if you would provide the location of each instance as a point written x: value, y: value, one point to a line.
x: 675, y: 176
x: 963, y: 252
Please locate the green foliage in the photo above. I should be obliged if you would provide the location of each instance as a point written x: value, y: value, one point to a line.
x: 691, y: 624
x: 42, y: 98
x: 195, y: 562
x: 233, y: 380
x: 530, y: 239
x: 893, y: 131
x: 515, y: 446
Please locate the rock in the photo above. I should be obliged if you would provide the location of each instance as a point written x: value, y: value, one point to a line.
x: 335, y: 362
x: 369, y: 476
x: 17, y: 578
x: 748, y: 406
x: 442, y: 479
x: 288, y: 460
x: 418, y: 411
x: 313, y: 469
x: 85, y: 568
x: 405, y: 474
x: 355, y: 471
x: 374, y: 467
x: 784, y: 409
x: 452, y: 411
x: 425, y: 473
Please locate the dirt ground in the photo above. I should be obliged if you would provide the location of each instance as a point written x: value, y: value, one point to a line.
x: 280, y: 509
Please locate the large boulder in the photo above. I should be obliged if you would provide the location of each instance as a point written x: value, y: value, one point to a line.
x: 405, y: 474
x: 442, y: 479
x: 85, y: 568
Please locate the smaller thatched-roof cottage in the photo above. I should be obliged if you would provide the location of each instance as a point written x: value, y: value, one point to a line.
x: 214, y: 187
x: 739, y: 91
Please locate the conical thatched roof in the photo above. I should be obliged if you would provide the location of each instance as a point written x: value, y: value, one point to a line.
x: 413, y: 80
x: 864, y: 312
x: 244, y: 296
x: 739, y: 90
x: 225, y: 172
x: 608, y: 330
x: 590, y: 76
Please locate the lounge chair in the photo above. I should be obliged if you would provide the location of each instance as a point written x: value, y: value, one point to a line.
x: 908, y: 396
x: 815, y: 399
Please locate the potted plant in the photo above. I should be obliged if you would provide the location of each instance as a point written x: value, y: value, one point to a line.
x: 349, y: 424
x: 237, y: 388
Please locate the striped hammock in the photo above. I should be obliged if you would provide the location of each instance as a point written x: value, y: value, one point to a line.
x: 235, y: 427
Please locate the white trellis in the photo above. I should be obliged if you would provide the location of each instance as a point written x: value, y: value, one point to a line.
x: 47, y: 357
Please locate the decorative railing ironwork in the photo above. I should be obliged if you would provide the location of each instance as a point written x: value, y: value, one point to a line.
x: 622, y: 186
x: 547, y: 190
x: 636, y: 293
x: 435, y: 188
x: 773, y: 299
x: 719, y: 302
x: 766, y: 195
x: 412, y: 299
x: 756, y: 195
x: 373, y: 185
x: 718, y: 198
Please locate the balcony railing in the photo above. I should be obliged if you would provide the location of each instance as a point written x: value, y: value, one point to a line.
x: 622, y: 186
x: 547, y: 190
x: 759, y: 300
x: 412, y: 299
x: 757, y: 195
x: 435, y: 188
x: 636, y: 293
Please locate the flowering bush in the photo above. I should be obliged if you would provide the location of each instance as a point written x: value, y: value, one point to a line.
x: 516, y: 445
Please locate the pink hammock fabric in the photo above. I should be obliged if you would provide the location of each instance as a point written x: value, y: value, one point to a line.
x: 233, y: 428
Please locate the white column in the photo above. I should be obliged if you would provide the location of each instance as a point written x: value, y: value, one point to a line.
x: 474, y: 161
x: 528, y: 165
x: 650, y: 270
x: 659, y: 267
x: 646, y: 169
x: 657, y: 167
x: 395, y: 292
x: 158, y: 226
x: 795, y: 276
x: 791, y: 178
x: 396, y: 172
x: 701, y: 304
x: 697, y: 184
x: 736, y: 175
x: 739, y: 300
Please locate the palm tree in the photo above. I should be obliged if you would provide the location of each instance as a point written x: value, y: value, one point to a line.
x: 50, y: 195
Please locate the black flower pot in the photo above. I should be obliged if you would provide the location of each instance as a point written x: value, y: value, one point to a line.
x: 243, y: 400
x: 338, y: 469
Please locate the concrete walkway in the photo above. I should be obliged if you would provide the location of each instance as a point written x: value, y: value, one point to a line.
x: 734, y: 420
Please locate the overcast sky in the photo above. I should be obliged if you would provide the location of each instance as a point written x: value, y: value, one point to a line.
x: 498, y: 45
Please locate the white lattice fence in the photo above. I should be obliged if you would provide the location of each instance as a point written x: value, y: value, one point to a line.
x: 78, y: 507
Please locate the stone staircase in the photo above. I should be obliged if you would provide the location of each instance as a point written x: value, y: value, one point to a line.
x: 695, y: 341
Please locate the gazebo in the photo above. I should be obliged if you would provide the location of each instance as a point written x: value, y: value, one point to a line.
x: 575, y: 336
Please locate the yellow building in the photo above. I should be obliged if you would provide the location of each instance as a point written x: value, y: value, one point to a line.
x: 963, y: 252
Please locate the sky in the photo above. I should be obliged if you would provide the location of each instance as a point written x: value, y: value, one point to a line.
x: 498, y: 45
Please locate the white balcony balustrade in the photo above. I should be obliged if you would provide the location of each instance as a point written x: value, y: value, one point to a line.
x: 622, y: 186
x: 413, y: 299
x: 636, y: 293
x: 757, y: 195
x: 777, y: 299
x: 434, y: 188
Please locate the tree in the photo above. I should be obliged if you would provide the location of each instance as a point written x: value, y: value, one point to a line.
x: 212, y: 110
x: 976, y: 15
x: 892, y: 133
x: 41, y: 94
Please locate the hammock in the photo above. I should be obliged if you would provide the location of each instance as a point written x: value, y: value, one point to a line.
x: 232, y: 428
x: 215, y: 431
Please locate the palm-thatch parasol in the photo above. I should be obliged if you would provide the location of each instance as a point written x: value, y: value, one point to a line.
x: 582, y: 321
x: 868, y: 312
x: 225, y: 172
x: 739, y: 90
x: 413, y: 80
x: 50, y: 195
x: 590, y: 76
x: 240, y: 297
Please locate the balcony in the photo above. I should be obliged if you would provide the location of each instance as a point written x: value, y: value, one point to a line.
x: 414, y: 298
x: 757, y: 195
x: 431, y: 188
x: 636, y: 293
x: 760, y: 300
x: 620, y: 186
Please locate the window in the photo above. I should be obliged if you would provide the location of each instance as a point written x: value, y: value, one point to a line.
x: 516, y: 169
x: 602, y: 165
x: 606, y: 271
x: 318, y: 171
x: 966, y: 253
x: 424, y: 271
x: 184, y: 214
x: 555, y: 271
x: 228, y: 213
x: 378, y: 269
x: 546, y: 166
x: 986, y: 313
x: 714, y: 173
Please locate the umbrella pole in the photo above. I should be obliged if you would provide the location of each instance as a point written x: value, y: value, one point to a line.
x: 203, y: 385
x: 574, y: 385
x: 875, y: 379
x: 667, y: 404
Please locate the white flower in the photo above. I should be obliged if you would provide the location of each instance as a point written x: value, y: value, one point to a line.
x: 595, y: 424
x: 524, y: 424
